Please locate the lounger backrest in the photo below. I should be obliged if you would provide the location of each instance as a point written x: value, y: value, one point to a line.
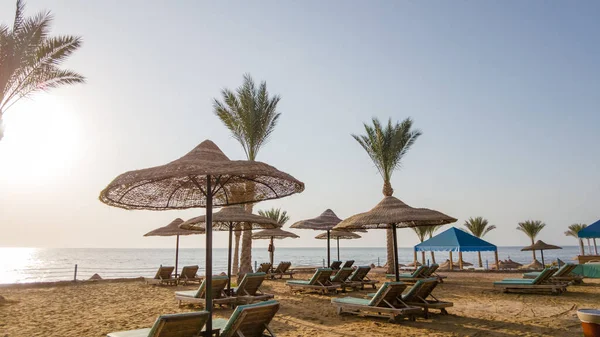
x: 218, y: 284
x: 341, y: 275
x: 251, y: 319
x: 175, y: 325
x: 321, y: 276
x: 189, y: 271
x: 264, y: 267
x: 286, y: 266
x: 565, y: 270
x: 388, y: 292
x: 544, y: 275
x: 419, y: 271
x: 432, y: 269
x: 280, y: 267
x: 251, y: 283
x: 164, y: 273
x: 360, y: 273
x: 348, y: 264
x: 335, y: 265
x: 420, y: 290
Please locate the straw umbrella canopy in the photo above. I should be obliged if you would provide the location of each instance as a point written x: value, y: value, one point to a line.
x: 324, y: 222
x: 204, y: 177
x: 541, y: 246
x: 271, y: 234
x: 337, y: 235
x: 393, y: 213
x: 229, y: 218
x: 172, y: 229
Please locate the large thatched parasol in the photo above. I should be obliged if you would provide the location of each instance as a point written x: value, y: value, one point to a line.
x: 271, y: 234
x: 541, y: 246
x: 202, y: 178
x: 172, y: 229
x: 324, y: 222
x: 393, y: 213
x: 229, y: 218
x: 337, y: 235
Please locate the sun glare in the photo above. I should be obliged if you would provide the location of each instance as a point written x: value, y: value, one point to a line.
x: 41, y: 139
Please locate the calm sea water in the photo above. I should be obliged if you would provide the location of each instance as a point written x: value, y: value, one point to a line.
x: 19, y: 265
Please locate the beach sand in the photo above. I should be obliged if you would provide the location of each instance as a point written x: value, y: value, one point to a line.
x: 95, y: 309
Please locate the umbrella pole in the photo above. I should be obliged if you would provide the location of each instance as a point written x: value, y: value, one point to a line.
x: 338, y: 247
x: 208, y: 269
x: 328, y: 249
x: 396, y: 271
x: 176, y: 255
x: 272, y: 253
x: 229, y: 257
x: 543, y: 264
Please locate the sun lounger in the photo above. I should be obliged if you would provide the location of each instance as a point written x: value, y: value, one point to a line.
x: 251, y: 320
x: 360, y: 275
x: 186, y: 324
x: 411, y: 277
x: 538, y: 284
x: 188, y: 275
x: 431, y: 272
x: 198, y: 296
x: 164, y: 275
x: 320, y: 281
x: 419, y: 295
x: 387, y: 302
x: 264, y: 268
x: 335, y: 265
x: 282, y: 270
x: 341, y: 279
x: 562, y: 275
x: 348, y: 264
x: 248, y: 291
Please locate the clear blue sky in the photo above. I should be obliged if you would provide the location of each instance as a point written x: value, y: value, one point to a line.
x: 506, y: 94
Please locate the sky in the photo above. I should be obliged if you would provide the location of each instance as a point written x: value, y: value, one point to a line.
x: 506, y: 95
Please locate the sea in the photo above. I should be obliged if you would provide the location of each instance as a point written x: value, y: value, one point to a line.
x: 26, y: 265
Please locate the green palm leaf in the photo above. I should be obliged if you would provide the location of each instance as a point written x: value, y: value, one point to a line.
x: 276, y: 214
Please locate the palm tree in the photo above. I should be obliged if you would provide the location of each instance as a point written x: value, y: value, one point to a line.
x: 573, y: 231
x: 479, y: 227
x: 531, y: 228
x: 432, y: 230
x: 251, y: 116
x: 276, y: 214
x: 422, y: 233
x: 30, y: 59
x: 387, y: 146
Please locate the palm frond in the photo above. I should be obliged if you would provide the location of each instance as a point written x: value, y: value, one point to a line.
x: 531, y: 228
x: 276, y: 214
x: 478, y: 226
x: 574, y: 229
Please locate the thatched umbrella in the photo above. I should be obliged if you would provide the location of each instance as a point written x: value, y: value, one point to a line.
x: 324, y: 222
x: 202, y: 178
x: 271, y: 234
x: 172, y: 229
x: 541, y: 246
x: 229, y: 218
x: 393, y: 213
x: 337, y: 235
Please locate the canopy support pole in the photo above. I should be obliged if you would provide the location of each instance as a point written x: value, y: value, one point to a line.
x: 543, y: 264
x: 460, y: 261
x: 496, y: 257
x: 176, y: 255
x: 328, y: 249
x: 229, y: 257
x: 272, y: 253
x: 595, y: 247
x: 208, y: 268
x: 589, y: 246
x: 451, y: 263
x: 338, y: 247
x: 415, y: 259
x: 581, y: 245
x: 396, y: 271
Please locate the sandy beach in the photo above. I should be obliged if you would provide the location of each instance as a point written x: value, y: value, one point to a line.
x: 95, y: 309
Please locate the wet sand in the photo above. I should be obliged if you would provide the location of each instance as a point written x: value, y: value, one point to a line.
x: 95, y: 309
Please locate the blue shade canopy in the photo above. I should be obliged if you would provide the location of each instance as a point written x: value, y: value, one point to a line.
x: 591, y: 231
x: 455, y: 240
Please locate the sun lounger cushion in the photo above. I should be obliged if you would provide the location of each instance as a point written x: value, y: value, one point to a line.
x: 188, y: 323
x: 351, y: 300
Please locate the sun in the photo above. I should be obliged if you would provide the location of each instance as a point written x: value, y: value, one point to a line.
x: 42, y: 137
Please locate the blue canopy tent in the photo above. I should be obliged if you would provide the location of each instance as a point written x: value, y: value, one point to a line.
x: 589, y: 270
x: 456, y: 240
x: 591, y: 232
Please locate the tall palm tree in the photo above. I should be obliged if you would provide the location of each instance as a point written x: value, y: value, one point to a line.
x: 531, y: 228
x: 276, y: 214
x: 479, y: 227
x: 251, y: 116
x: 422, y: 233
x: 30, y: 59
x: 387, y: 145
x: 431, y: 231
x: 573, y: 231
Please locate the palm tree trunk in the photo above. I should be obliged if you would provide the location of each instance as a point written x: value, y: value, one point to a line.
x: 389, y: 236
x: 423, y: 257
x: 236, y: 255
x: 581, y: 247
x: 533, y: 251
x: 432, y: 257
x: 246, y: 258
x: 480, y: 261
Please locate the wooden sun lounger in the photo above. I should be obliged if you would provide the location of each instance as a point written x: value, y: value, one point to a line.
x: 431, y: 272
x: 341, y: 279
x: 537, y: 285
x: 320, y: 281
x: 360, y: 275
x: 186, y: 324
x: 387, y: 302
x: 264, y: 268
x: 348, y: 264
x: 562, y: 275
x: 411, y: 277
x: 251, y: 320
x: 188, y: 275
x: 164, y: 275
x: 198, y: 296
x: 420, y: 295
x: 282, y: 270
x: 335, y: 265
x: 248, y: 291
